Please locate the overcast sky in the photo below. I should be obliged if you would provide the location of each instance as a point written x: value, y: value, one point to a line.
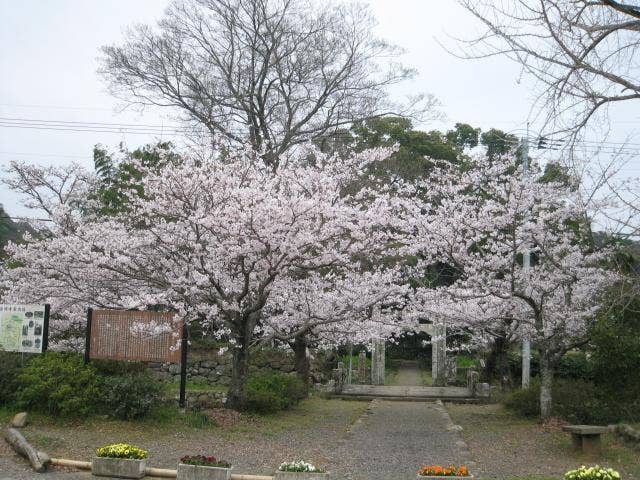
x: 48, y: 52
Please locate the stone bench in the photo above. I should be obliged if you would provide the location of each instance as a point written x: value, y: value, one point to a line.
x: 586, y: 438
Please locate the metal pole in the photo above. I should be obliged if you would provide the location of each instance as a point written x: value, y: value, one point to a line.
x: 526, y: 265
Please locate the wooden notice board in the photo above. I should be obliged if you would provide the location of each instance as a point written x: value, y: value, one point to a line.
x: 134, y: 335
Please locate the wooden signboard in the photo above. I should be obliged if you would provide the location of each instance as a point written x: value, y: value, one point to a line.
x: 133, y: 335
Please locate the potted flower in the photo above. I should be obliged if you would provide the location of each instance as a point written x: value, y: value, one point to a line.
x: 299, y: 471
x: 437, y: 471
x: 592, y: 473
x: 201, y: 467
x: 119, y: 460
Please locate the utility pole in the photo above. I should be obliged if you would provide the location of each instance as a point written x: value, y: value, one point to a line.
x: 526, y: 265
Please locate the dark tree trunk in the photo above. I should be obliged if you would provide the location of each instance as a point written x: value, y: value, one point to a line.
x: 546, y: 384
x: 302, y: 364
x: 237, y: 396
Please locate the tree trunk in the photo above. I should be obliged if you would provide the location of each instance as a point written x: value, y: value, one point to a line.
x: 302, y: 364
x: 546, y: 383
x: 237, y: 396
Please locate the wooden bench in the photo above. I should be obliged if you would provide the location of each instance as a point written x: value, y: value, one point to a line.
x: 586, y: 438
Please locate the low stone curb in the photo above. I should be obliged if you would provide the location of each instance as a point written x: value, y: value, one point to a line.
x: 457, y: 429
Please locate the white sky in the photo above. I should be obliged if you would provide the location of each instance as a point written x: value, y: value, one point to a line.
x: 48, y: 52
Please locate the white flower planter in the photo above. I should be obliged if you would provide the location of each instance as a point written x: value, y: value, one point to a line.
x: 118, y: 467
x: 201, y: 472
x: 300, y: 476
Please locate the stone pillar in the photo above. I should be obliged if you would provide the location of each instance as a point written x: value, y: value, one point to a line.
x: 362, y: 367
x: 439, y: 354
x: 378, y: 363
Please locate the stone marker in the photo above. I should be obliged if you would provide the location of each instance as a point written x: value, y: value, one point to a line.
x: 19, y: 420
x: 362, y: 367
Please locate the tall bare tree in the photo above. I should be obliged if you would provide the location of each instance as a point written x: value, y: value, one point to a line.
x: 270, y: 73
x: 584, y: 53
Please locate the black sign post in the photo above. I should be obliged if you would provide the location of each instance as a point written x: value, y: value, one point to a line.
x: 45, y: 328
x: 87, y: 341
x: 184, y: 342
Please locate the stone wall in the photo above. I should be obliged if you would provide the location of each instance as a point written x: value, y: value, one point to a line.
x: 213, y: 369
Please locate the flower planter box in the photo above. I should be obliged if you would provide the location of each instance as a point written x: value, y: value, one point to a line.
x: 300, y: 476
x: 443, y: 477
x: 201, y: 472
x: 118, y: 467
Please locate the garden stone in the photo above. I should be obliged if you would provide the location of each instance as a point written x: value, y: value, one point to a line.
x: 20, y: 420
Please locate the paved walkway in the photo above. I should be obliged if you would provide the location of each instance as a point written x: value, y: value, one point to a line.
x: 408, y: 375
x: 393, y: 439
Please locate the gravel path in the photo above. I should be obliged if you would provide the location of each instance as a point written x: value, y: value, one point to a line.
x: 390, y: 440
x: 393, y: 439
x: 408, y: 375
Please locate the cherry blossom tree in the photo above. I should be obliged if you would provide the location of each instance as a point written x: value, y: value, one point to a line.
x: 481, y: 221
x: 221, y: 240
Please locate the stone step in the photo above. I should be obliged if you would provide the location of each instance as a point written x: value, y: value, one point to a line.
x: 406, y: 399
x: 406, y: 391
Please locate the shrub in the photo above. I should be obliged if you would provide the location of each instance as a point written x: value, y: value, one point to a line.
x: 576, y: 401
x: 575, y: 365
x: 10, y: 365
x: 110, y: 368
x: 271, y: 392
x: 525, y: 402
x: 58, y: 384
x: 130, y: 396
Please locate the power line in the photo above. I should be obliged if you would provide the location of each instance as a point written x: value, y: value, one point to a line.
x: 27, y: 218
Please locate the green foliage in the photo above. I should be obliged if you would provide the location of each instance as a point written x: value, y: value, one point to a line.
x: 498, y: 142
x: 575, y: 365
x: 272, y: 392
x: 525, y: 402
x: 576, y: 401
x: 465, y: 361
x: 10, y: 366
x: 463, y: 136
x: 58, y: 384
x: 119, y: 180
x: 131, y: 395
x: 615, y: 346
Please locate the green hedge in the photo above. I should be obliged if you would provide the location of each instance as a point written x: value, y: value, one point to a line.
x: 272, y: 392
x: 58, y: 384
x: 577, y: 401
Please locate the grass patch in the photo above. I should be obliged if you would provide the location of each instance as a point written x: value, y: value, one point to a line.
x: 425, y: 378
x: 390, y: 375
x: 504, y: 444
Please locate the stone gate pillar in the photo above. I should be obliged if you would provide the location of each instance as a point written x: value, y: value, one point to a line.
x: 378, y: 363
x: 439, y: 354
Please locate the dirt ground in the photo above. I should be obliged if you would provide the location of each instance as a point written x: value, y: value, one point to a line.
x: 507, y: 447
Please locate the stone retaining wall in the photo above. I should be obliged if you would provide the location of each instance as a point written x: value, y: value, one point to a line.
x: 213, y: 369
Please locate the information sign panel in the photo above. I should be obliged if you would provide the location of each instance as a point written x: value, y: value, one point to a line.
x: 24, y: 328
